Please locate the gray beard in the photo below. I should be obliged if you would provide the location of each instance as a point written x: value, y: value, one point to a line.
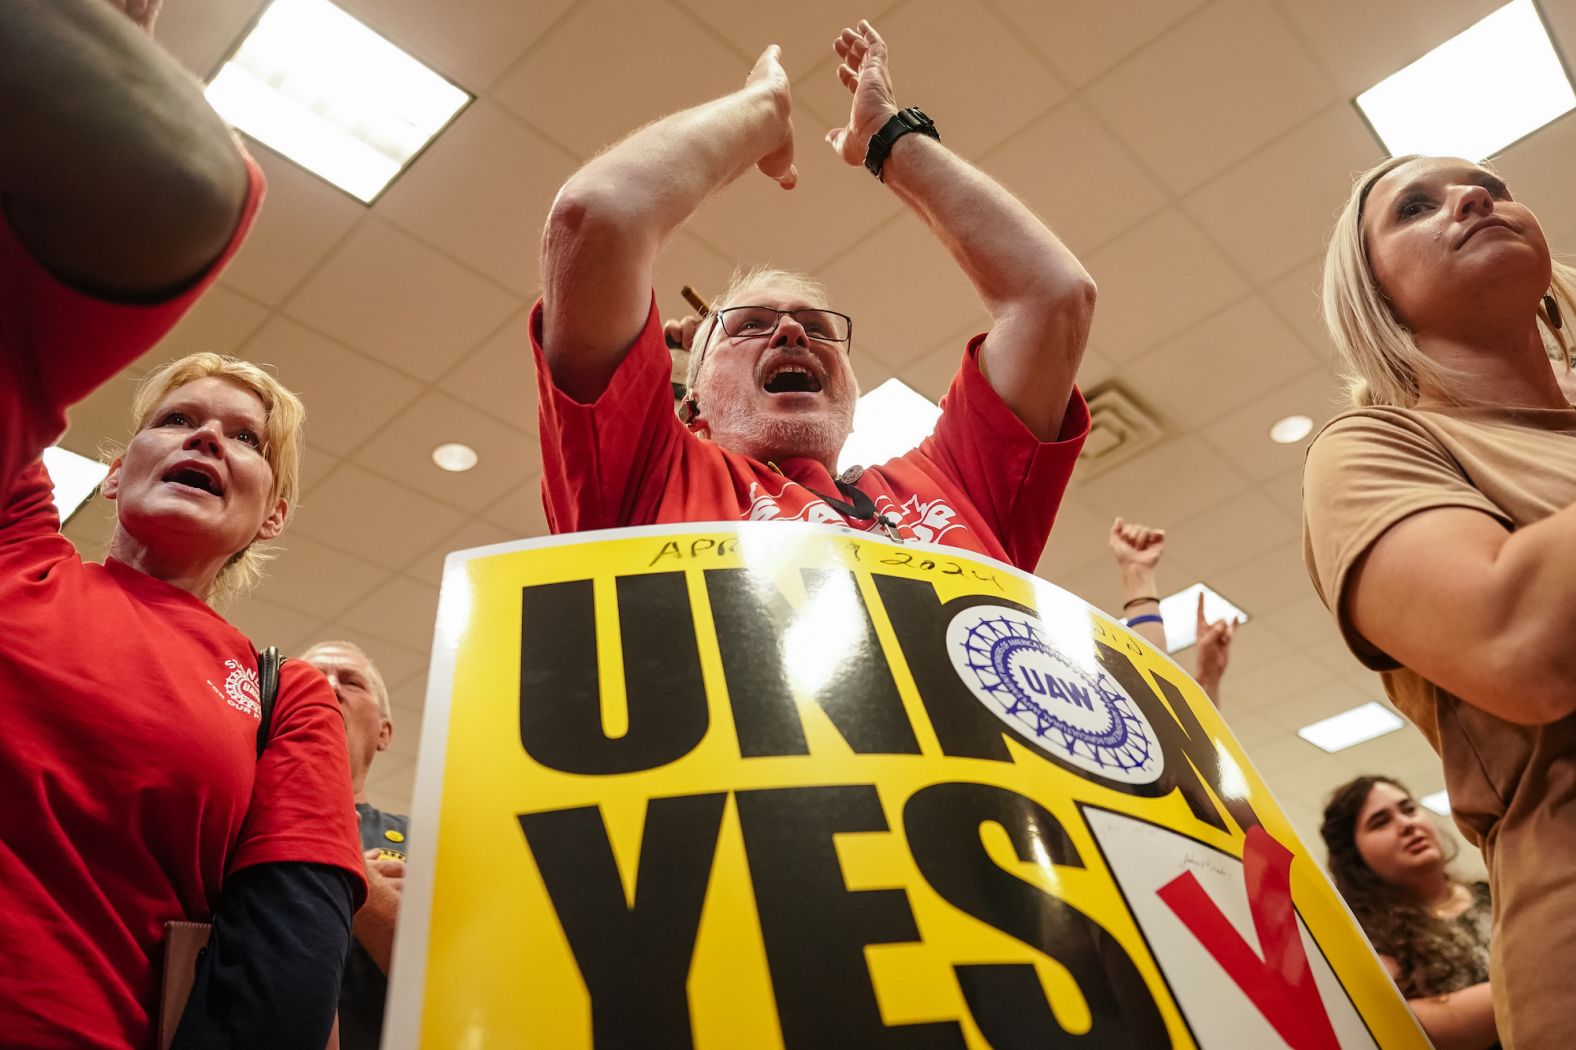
x: 783, y: 438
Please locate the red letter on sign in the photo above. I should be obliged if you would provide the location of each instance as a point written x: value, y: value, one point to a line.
x: 1280, y: 984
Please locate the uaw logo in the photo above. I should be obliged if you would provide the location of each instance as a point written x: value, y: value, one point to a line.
x: 241, y: 690
x: 1072, y: 708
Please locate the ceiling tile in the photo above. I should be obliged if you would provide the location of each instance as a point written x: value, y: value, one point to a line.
x: 475, y: 533
x: 1306, y: 622
x: 302, y: 219
x: 1270, y: 210
x: 102, y: 418
x: 200, y: 35
x: 391, y: 783
x: 1293, y: 675
x: 1170, y: 482
x: 1533, y: 167
x: 405, y: 741
x: 499, y: 377
x: 1220, y: 537
x: 349, y: 396
x: 1084, y: 38
x: 398, y: 665
x: 932, y: 373
x: 1285, y: 489
x: 1267, y: 582
x: 1363, y: 41
x: 688, y: 260
x: 930, y: 41
x: 470, y: 41
x: 831, y: 209
x: 401, y: 302
x: 806, y: 38
x: 1296, y: 297
x: 596, y: 77
x: 1075, y: 175
x: 875, y: 284
x: 1155, y: 280
x: 268, y: 624
x: 401, y: 610
x: 1254, y: 644
x: 520, y: 511
x: 403, y: 449
x: 1303, y: 707
x: 481, y: 193
x: 220, y: 322
x: 315, y: 466
x: 1243, y: 436
x: 409, y: 700
x: 316, y: 580
x: 1079, y: 537
x: 383, y: 522
x: 1228, y: 79
x: 1246, y: 341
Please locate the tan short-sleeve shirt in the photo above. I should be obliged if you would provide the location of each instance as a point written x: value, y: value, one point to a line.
x: 1512, y: 787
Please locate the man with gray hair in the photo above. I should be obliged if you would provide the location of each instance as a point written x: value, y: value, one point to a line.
x: 771, y: 392
x: 369, y: 726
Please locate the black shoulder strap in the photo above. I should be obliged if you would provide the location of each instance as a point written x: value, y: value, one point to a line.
x: 268, y: 662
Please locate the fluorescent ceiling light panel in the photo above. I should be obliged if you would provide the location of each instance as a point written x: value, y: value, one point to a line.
x: 76, y: 478
x: 888, y: 421
x: 1476, y: 93
x: 1350, y: 728
x: 1439, y: 802
x: 1180, y: 613
x: 316, y: 85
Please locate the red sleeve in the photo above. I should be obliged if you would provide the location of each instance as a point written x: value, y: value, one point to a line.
x: 1013, y: 478
x: 606, y: 464
x: 302, y: 808
x: 57, y: 344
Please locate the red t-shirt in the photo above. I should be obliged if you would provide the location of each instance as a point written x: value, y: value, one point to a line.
x: 129, y: 782
x: 982, y: 482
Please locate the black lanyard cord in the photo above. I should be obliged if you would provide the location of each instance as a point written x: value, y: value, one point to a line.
x: 861, y: 507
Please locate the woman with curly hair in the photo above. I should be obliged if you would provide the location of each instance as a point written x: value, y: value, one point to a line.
x: 1439, y: 525
x: 1431, y: 931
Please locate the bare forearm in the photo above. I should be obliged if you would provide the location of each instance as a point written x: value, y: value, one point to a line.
x: 612, y: 218
x: 374, y: 928
x: 1039, y: 296
x: 115, y: 172
x: 1139, y: 581
x: 1462, y: 1020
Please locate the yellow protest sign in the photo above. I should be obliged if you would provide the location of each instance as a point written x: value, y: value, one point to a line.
x: 768, y: 785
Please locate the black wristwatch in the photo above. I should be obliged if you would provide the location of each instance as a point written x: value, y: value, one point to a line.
x: 903, y: 121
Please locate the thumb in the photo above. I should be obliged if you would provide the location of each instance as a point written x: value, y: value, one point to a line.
x: 835, y: 139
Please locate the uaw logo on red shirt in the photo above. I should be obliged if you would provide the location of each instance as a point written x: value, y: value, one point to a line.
x: 926, y: 522
x: 241, y: 690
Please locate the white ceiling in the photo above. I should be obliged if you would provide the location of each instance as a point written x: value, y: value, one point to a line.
x: 1192, y: 153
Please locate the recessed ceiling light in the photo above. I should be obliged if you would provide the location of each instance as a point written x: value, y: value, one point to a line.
x: 1350, y: 728
x: 454, y: 456
x: 1180, y: 613
x: 1476, y: 93
x: 888, y: 421
x: 321, y: 88
x: 1439, y: 802
x: 1290, y: 430
x: 75, y: 477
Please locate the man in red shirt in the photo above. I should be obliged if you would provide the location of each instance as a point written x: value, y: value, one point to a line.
x: 770, y: 381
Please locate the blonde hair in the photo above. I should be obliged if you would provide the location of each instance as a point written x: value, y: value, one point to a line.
x: 747, y: 279
x: 1383, y: 363
x: 379, y: 687
x: 285, y: 419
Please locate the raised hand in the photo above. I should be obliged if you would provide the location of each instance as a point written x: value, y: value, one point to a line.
x: 770, y: 76
x: 142, y: 12
x: 865, y: 73
x: 680, y: 335
x: 1136, y: 546
x: 1214, y: 651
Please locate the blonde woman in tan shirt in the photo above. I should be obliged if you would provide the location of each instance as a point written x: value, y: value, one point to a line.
x: 1439, y: 529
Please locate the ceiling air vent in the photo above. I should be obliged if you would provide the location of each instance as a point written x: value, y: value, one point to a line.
x: 1120, y: 427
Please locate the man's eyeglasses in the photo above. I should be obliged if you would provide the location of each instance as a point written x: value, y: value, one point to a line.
x: 749, y: 322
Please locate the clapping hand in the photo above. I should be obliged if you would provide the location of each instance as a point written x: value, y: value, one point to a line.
x: 864, y: 72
